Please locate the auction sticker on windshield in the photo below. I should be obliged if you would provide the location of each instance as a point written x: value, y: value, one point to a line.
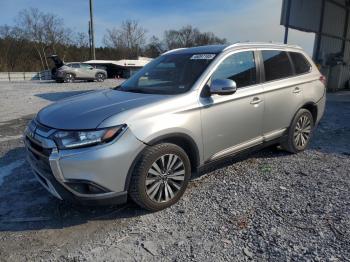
x: 203, y: 57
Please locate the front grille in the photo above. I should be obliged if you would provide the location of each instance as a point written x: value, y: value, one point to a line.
x: 39, y: 153
x: 37, y: 148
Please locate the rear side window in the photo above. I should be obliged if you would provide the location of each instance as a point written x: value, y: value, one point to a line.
x: 277, y: 65
x: 301, y: 64
x: 239, y: 67
x: 75, y: 65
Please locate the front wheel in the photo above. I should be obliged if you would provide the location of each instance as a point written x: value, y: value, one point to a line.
x: 300, y: 132
x: 160, y: 177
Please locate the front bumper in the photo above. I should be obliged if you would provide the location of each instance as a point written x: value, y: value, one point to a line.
x: 94, y: 175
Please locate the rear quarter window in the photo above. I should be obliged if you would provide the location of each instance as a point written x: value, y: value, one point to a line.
x: 301, y: 65
x: 276, y: 64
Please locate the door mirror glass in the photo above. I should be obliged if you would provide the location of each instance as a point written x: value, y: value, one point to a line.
x: 223, y: 87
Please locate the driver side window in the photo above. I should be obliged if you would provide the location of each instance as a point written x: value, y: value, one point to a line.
x: 239, y: 67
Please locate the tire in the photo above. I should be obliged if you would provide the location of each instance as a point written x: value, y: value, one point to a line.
x: 69, y: 78
x: 156, y: 195
x: 300, y: 132
x: 100, y: 77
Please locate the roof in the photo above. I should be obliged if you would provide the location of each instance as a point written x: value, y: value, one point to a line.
x: 212, y: 49
x: 215, y: 49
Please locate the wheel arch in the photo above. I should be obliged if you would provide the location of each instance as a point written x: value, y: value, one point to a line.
x: 182, y: 140
x: 312, y: 107
x: 105, y: 75
x: 72, y: 73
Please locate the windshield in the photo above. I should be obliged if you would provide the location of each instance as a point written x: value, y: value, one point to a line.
x: 168, y: 74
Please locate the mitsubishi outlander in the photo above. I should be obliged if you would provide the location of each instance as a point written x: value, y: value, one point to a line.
x: 186, y: 109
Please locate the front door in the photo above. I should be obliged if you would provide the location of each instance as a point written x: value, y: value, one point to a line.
x: 234, y: 122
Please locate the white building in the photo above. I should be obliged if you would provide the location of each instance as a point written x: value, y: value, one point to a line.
x: 120, y: 68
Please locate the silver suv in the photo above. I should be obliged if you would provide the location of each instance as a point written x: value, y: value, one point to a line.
x: 79, y: 71
x: 185, y: 110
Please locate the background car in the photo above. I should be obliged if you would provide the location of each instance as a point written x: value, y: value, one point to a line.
x: 70, y: 72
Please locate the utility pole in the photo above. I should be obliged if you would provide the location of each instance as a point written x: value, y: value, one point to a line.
x: 289, y: 2
x: 90, y: 44
x: 92, y: 31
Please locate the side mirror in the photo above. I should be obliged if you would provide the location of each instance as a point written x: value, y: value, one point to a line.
x: 223, y: 87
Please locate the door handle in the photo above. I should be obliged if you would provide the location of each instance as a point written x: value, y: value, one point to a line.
x: 296, y: 90
x: 256, y: 101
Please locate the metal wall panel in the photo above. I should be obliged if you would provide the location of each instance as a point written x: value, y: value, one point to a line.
x: 342, y: 2
x: 330, y: 45
x: 334, y: 19
x: 304, y: 14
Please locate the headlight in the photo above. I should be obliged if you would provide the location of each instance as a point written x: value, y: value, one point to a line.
x: 75, y: 139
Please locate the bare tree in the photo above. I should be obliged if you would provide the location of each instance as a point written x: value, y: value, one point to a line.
x: 154, y: 47
x: 81, y: 40
x: 129, y: 38
x: 189, y: 36
x: 44, y: 29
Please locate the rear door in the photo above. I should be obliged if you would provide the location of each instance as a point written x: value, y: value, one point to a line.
x: 87, y: 71
x: 283, y: 96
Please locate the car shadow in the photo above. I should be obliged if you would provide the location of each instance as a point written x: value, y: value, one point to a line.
x: 56, y: 96
x: 26, y: 205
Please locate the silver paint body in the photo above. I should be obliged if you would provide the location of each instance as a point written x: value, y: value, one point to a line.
x: 219, y: 125
x: 83, y: 72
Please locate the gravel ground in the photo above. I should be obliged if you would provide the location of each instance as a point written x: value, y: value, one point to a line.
x: 266, y: 206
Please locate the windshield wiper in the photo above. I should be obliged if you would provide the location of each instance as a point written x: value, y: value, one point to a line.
x: 133, y: 90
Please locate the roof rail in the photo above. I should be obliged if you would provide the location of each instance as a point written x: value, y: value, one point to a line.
x: 261, y: 44
x: 173, y: 50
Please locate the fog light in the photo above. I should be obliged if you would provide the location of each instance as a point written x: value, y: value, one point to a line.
x: 86, y: 188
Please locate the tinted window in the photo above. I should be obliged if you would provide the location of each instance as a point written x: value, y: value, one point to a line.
x: 277, y: 65
x: 85, y: 66
x: 301, y: 64
x: 239, y: 67
x: 75, y: 65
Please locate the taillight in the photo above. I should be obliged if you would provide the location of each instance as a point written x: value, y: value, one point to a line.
x: 323, y: 79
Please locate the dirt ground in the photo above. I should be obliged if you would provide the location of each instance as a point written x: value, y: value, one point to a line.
x: 269, y: 205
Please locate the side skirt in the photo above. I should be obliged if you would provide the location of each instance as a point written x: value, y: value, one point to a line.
x: 213, y: 164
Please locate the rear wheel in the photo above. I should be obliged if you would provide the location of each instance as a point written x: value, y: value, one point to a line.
x: 160, y: 177
x: 69, y: 78
x: 300, y: 132
x: 100, y: 77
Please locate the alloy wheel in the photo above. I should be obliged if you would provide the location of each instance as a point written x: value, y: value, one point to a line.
x: 100, y: 78
x: 302, y: 131
x: 69, y: 78
x: 165, y: 178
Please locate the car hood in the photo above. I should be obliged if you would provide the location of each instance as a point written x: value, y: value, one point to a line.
x: 88, y: 110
